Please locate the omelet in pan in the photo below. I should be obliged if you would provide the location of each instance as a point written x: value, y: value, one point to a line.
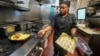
x: 19, y: 36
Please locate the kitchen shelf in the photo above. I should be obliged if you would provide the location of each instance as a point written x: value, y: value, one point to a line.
x: 96, y: 16
x: 9, y: 5
x: 95, y: 3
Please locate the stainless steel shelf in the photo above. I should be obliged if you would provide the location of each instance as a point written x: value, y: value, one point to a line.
x: 95, y: 3
x: 9, y: 5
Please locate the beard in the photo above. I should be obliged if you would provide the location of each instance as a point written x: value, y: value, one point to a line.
x: 63, y: 13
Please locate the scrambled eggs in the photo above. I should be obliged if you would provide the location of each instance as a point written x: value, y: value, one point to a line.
x: 20, y: 36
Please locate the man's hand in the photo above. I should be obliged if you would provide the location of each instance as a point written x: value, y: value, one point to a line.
x: 41, y: 33
x: 73, y: 31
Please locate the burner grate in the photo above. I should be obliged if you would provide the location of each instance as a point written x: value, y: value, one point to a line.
x: 7, y: 47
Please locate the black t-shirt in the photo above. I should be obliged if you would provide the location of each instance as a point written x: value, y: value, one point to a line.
x: 63, y: 24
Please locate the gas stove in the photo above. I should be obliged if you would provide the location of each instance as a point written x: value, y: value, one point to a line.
x: 22, y: 48
x: 19, y: 48
x: 7, y: 47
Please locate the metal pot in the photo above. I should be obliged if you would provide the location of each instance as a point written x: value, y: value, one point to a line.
x: 29, y: 25
x: 5, y: 30
x: 20, y: 26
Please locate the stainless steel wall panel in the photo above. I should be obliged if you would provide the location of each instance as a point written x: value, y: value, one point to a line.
x: 12, y: 15
x: 1, y: 16
x: 33, y: 2
x: 33, y: 14
x: 7, y: 14
x: 45, y: 12
x: 39, y: 12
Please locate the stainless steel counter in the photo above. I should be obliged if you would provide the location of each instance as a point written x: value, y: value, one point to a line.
x: 26, y: 49
x: 89, y: 30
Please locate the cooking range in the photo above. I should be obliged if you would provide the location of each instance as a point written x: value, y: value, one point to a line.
x: 7, y: 47
x: 28, y: 47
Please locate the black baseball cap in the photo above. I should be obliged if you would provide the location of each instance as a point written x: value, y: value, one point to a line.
x: 66, y: 3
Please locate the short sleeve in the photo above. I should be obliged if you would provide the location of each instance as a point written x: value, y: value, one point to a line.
x: 74, y: 21
x: 52, y: 22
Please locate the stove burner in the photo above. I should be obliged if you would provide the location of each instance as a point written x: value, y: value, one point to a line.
x: 3, y: 50
x: 7, y: 47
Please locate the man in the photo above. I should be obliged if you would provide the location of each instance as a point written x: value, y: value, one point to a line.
x: 62, y: 22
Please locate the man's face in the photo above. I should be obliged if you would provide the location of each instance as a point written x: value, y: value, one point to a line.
x: 64, y: 9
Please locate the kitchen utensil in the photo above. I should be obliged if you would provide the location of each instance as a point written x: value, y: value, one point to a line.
x: 19, y: 36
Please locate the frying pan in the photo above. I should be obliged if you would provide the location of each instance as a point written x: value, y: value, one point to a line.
x: 19, y: 36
